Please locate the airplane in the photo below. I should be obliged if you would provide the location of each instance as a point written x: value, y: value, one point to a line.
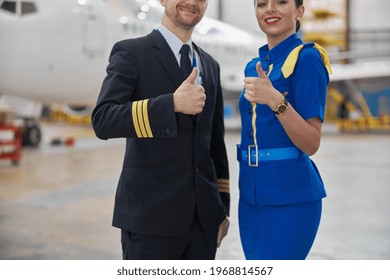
x: 56, y: 52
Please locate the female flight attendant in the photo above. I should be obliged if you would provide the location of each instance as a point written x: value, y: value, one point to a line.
x: 282, y: 110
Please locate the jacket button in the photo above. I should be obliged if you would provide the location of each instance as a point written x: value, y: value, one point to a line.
x: 250, y: 134
x: 168, y: 132
x: 250, y: 111
x: 267, y: 58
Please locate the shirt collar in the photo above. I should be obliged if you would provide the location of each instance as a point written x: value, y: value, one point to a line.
x: 173, y: 41
x: 280, y: 51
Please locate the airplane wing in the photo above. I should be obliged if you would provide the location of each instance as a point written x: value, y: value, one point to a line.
x: 360, y: 70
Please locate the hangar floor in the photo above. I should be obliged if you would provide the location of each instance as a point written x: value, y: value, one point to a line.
x: 57, y: 204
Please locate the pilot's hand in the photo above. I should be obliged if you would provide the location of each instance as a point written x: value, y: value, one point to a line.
x: 222, y: 231
x: 189, y: 98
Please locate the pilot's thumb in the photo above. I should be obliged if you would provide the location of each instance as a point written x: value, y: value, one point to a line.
x: 192, y: 77
x: 260, y: 71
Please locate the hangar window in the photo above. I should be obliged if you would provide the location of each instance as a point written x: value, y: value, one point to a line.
x: 9, y: 6
x: 18, y: 7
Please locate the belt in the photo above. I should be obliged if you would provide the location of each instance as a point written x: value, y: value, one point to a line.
x: 256, y: 155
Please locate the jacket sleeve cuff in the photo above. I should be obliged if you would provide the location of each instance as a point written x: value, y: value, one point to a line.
x: 223, y: 185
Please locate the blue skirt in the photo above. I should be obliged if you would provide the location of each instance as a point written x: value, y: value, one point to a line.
x: 279, y: 232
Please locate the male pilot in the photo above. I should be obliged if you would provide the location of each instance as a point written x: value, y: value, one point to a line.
x: 163, y: 94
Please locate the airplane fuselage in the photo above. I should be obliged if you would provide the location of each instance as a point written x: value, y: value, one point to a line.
x: 58, y: 54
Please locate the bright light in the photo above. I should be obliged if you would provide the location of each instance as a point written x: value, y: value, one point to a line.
x: 141, y: 15
x: 82, y: 2
x: 145, y: 8
x: 124, y: 20
x: 153, y: 3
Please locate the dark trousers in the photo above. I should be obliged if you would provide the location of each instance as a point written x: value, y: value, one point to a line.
x: 195, y: 244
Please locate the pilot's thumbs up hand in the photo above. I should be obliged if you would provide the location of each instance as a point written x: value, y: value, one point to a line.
x: 189, y: 98
x: 192, y: 77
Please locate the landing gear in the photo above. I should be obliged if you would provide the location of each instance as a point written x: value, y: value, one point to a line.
x: 32, y: 134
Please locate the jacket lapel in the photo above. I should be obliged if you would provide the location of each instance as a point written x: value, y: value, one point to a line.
x: 168, y: 61
x: 166, y: 57
x: 205, y: 75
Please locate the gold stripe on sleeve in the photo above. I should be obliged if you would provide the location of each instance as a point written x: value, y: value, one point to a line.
x: 146, y: 119
x: 223, y: 185
x: 141, y: 119
x: 135, y: 119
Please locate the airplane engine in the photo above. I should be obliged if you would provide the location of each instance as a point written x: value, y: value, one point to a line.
x: 77, y: 110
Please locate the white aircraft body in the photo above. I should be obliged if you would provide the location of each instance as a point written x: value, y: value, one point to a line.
x: 56, y: 51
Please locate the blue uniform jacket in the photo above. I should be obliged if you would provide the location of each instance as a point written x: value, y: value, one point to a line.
x: 305, y: 80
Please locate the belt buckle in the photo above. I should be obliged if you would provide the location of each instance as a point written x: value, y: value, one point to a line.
x: 256, y: 156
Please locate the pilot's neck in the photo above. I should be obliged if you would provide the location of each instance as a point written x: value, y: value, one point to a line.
x: 183, y: 34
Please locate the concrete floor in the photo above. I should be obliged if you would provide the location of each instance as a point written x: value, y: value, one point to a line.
x: 58, y: 203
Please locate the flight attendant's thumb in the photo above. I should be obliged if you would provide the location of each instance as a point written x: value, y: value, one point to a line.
x: 260, y: 71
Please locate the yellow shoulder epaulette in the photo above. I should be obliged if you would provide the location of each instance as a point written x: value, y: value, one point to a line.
x: 289, y: 64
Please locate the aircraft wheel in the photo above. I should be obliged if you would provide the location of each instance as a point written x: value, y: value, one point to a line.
x: 32, y: 134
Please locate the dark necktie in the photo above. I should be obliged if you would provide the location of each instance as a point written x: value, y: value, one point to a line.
x: 185, y: 62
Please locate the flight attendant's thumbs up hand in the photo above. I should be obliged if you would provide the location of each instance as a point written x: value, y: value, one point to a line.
x: 259, y: 89
x: 260, y: 72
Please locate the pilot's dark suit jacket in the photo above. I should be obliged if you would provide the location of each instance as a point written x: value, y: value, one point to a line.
x: 175, y: 166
